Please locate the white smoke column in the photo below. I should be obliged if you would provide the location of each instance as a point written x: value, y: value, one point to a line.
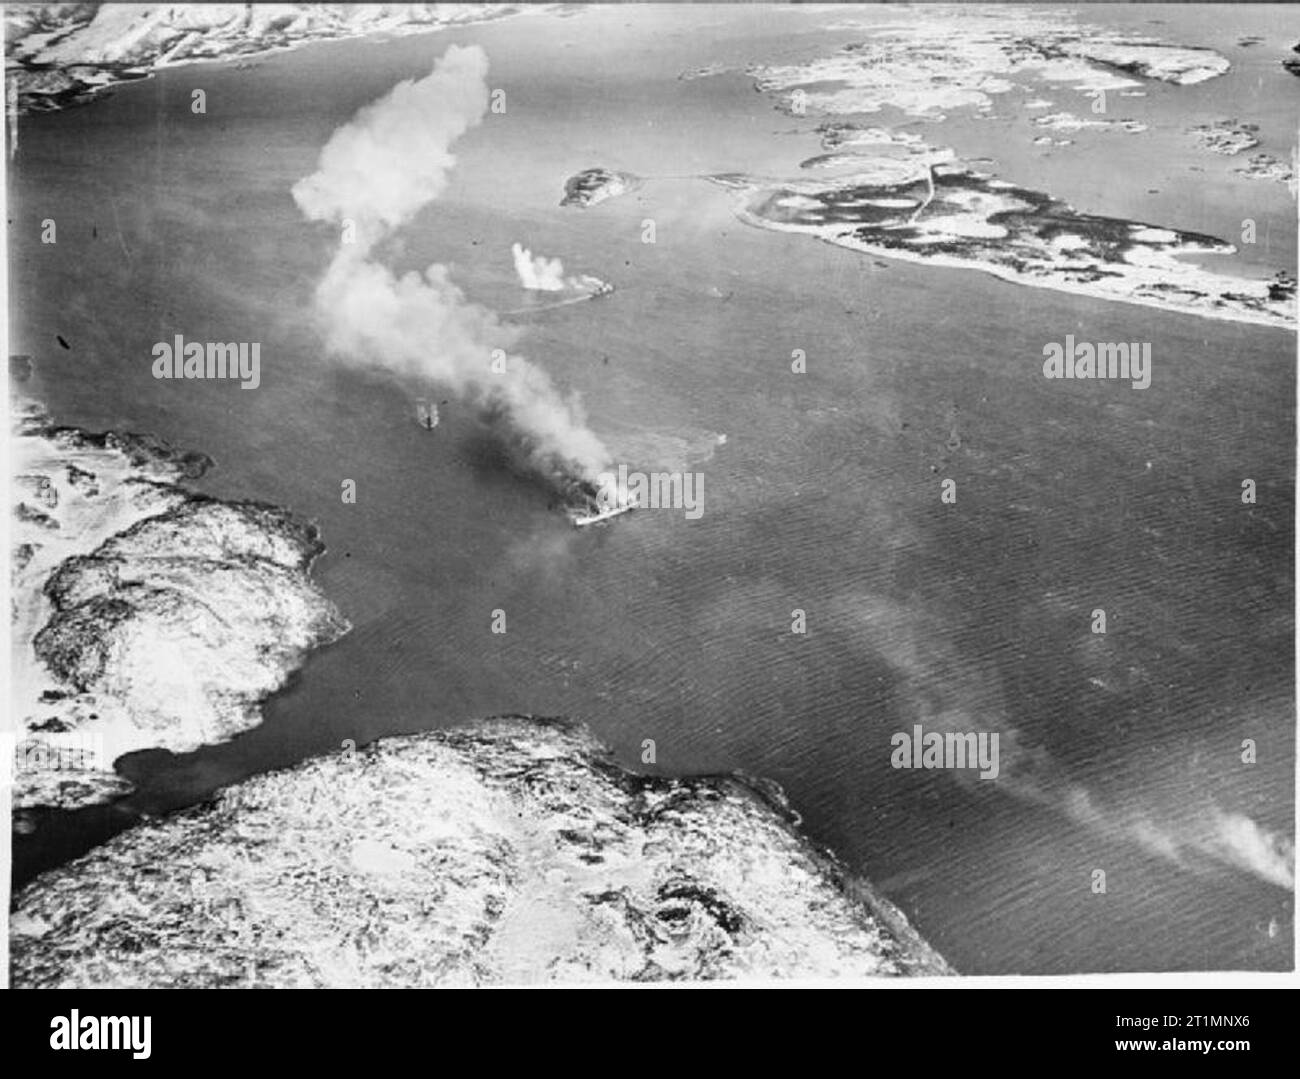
x: 376, y: 173
x: 393, y: 157
x: 538, y: 273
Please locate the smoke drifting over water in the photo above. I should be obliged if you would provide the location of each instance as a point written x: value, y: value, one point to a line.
x: 945, y: 693
x: 375, y: 174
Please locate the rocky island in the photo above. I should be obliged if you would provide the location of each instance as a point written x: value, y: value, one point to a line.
x: 954, y: 215
x: 1230, y: 138
x: 924, y: 68
x: 591, y: 186
x: 513, y: 852
x: 1292, y: 64
x: 1227, y: 137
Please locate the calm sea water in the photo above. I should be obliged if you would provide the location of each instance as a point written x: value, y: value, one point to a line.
x: 824, y: 496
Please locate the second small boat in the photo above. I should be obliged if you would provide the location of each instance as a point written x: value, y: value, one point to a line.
x: 427, y: 413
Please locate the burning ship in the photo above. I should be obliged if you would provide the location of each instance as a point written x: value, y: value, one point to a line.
x: 591, y: 505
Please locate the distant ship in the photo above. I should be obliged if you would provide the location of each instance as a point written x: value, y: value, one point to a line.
x: 427, y: 411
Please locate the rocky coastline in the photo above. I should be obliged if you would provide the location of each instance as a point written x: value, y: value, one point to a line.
x: 61, y: 55
x: 515, y: 851
x: 145, y: 616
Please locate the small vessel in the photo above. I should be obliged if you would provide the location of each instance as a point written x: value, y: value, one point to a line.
x: 427, y: 413
x: 581, y: 519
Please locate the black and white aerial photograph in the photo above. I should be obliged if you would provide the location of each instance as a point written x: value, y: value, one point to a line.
x: 615, y: 494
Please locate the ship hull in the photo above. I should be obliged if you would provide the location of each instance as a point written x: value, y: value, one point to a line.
x: 581, y: 521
